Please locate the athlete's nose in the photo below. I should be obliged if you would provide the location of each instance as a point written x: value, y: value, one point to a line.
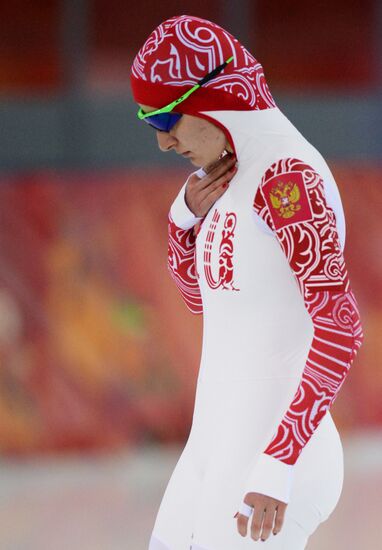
x: 165, y: 141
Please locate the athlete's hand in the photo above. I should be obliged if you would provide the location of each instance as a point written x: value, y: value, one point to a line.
x: 268, y: 515
x: 202, y: 193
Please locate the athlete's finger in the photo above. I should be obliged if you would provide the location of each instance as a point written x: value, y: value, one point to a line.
x: 257, y: 520
x: 208, y: 196
x: 242, y: 524
x: 212, y: 169
x: 279, y: 519
x: 212, y: 197
x: 198, y: 182
x: 198, y: 189
x: 216, y: 163
x: 216, y: 173
x: 201, y: 201
x: 267, y: 522
x: 225, y: 178
x: 221, y: 166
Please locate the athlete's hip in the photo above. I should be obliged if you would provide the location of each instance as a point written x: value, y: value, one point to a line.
x: 235, y: 420
x: 319, y: 470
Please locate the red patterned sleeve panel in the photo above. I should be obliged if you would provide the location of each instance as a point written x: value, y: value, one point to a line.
x: 291, y: 200
x: 181, y: 264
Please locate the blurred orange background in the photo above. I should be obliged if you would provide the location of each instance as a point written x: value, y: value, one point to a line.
x: 97, y: 348
x: 98, y: 353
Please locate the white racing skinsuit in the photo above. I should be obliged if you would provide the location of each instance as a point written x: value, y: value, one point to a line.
x: 265, y: 268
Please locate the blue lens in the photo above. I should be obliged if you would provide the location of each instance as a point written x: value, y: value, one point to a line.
x: 163, y: 122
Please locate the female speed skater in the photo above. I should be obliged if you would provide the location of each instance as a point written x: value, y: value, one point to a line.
x: 256, y: 239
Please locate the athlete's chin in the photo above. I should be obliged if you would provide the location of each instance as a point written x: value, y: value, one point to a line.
x: 199, y: 161
x: 195, y: 161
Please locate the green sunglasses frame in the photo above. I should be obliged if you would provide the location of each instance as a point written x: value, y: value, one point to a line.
x: 168, y: 108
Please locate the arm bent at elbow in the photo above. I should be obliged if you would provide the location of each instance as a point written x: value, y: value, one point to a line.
x: 181, y: 265
x: 291, y: 200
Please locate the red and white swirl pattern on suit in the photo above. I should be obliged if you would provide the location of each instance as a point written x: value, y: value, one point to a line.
x: 225, y: 275
x: 309, y: 240
x: 181, y: 264
x: 180, y: 52
x: 181, y: 259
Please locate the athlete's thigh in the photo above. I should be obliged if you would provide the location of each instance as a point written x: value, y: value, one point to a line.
x: 318, y: 476
x: 222, y: 491
x: 175, y: 518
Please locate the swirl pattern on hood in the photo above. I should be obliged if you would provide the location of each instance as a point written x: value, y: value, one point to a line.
x: 180, y: 52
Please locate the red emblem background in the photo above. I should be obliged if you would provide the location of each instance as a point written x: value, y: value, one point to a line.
x: 304, y: 214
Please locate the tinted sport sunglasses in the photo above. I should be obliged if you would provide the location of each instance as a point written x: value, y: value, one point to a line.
x: 163, y: 119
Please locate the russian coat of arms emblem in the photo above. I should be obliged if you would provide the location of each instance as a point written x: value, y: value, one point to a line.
x: 284, y: 198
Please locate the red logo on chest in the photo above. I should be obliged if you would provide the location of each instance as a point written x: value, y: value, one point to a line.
x: 225, y: 274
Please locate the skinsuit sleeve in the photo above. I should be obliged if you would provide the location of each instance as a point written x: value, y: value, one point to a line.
x: 181, y: 252
x: 291, y: 200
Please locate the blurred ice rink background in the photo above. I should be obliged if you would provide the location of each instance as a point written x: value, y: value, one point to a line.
x: 98, y: 354
x: 110, y: 502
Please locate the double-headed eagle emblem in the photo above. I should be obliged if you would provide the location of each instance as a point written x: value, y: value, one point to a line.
x: 284, y: 197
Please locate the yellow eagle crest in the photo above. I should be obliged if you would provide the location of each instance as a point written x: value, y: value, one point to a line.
x: 284, y: 198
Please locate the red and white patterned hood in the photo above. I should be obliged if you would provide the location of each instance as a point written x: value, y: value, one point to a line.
x: 180, y: 52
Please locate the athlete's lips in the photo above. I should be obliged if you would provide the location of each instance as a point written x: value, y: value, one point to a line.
x: 186, y: 153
